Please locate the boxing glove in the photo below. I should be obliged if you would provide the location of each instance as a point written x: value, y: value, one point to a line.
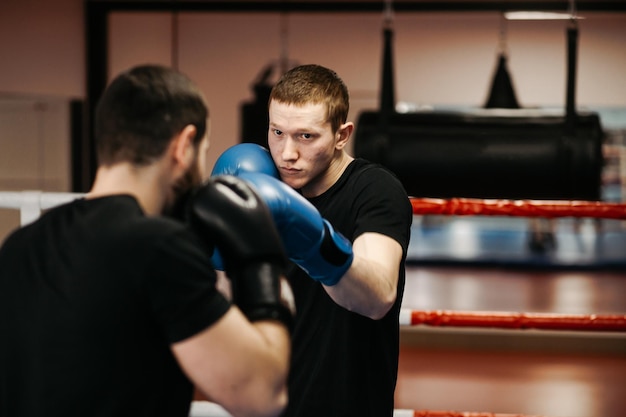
x: 228, y: 214
x: 310, y: 240
x: 245, y: 157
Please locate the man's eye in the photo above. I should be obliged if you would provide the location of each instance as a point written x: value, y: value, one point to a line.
x: 306, y: 135
x: 278, y: 132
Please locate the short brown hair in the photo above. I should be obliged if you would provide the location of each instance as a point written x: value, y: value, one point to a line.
x: 314, y: 84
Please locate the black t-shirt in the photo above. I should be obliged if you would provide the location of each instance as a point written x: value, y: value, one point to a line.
x: 91, y: 297
x: 345, y: 364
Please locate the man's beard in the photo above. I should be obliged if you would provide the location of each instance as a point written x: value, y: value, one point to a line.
x: 181, y: 191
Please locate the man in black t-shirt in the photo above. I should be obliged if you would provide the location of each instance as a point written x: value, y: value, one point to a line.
x: 109, y: 308
x: 345, y: 224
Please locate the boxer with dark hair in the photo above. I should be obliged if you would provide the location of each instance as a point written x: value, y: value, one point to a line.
x: 108, y: 307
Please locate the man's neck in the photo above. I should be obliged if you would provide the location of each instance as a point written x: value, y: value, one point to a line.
x: 124, y: 178
x: 329, y: 177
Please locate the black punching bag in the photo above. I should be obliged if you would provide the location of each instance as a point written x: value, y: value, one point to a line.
x: 500, y: 152
x: 254, y: 115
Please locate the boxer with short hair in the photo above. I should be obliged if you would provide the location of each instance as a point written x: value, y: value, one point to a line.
x: 345, y: 224
x: 109, y: 307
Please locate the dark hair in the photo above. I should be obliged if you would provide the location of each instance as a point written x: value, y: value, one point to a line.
x: 314, y: 84
x: 141, y: 111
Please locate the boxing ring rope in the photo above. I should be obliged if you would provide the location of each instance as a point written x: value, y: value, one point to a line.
x: 517, y: 321
x: 518, y: 208
x: 31, y: 203
x: 434, y: 413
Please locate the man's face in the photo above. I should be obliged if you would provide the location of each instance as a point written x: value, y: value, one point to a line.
x: 196, y: 174
x: 302, y: 145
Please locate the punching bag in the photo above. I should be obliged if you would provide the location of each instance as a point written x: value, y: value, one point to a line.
x: 500, y: 152
x: 254, y: 114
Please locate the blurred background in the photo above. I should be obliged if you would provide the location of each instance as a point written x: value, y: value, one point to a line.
x: 57, y: 56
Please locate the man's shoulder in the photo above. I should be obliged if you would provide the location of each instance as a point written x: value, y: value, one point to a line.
x: 373, y: 175
x: 110, y: 217
x: 367, y: 168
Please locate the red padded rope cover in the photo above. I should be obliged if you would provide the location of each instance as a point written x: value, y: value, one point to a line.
x: 429, y: 413
x: 520, y: 208
x: 508, y: 320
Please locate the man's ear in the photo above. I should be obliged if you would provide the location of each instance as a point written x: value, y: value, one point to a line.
x: 343, y: 134
x: 183, y: 146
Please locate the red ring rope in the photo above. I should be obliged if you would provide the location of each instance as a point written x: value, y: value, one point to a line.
x: 508, y: 320
x: 429, y: 413
x: 523, y: 208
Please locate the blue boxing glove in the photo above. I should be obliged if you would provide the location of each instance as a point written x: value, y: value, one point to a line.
x: 240, y: 158
x: 245, y: 157
x: 310, y: 240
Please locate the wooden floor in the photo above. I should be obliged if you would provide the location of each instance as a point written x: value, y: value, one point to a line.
x: 514, y: 382
x: 529, y: 372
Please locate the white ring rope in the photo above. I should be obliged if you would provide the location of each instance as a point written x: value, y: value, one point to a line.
x: 207, y: 409
x: 31, y: 203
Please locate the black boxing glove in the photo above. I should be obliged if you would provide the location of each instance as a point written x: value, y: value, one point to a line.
x: 227, y: 213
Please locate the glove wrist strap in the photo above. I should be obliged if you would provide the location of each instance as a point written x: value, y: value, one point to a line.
x: 261, y: 293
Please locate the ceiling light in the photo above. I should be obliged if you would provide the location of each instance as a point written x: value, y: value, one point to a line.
x: 530, y: 15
